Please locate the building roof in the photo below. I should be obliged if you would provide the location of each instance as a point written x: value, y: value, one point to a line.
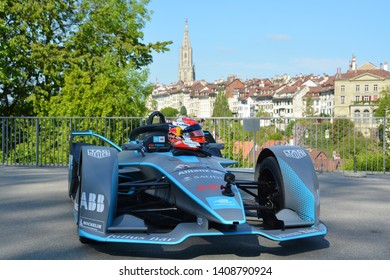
x: 358, y: 72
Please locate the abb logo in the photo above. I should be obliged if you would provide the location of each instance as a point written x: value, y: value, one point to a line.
x: 209, y: 187
x: 95, y: 202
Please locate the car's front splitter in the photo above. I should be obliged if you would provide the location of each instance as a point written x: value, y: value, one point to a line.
x: 186, y: 230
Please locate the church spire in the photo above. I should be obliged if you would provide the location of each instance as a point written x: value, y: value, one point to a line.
x: 186, y: 67
x: 186, y: 39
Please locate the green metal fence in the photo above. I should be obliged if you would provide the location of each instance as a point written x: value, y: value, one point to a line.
x: 334, y: 144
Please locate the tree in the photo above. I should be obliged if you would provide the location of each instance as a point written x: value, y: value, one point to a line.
x: 309, y: 109
x: 341, y: 129
x: 263, y: 114
x: 183, y: 110
x: 32, y: 52
x: 61, y: 53
x: 221, y: 106
x: 384, y: 111
x: 108, y: 61
x: 169, y: 112
x: 383, y: 104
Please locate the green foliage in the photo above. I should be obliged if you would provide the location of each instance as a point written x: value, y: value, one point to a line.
x: 183, y: 111
x: 289, y: 129
x: 383, y: 104
x: 90, y: 52
x: 45, y: 141
x: 341, y: 128
x: 261, y: 113
x: 32, y: 53
x: 221, y: 106
x: 384, y: 111
x: 372, y: 161
x: 309, y: 109
x: 106, y: 76
x: 108, y: 96
x: 169, y: 112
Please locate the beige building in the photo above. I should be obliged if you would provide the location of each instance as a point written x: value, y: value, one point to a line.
x: 357, y: 92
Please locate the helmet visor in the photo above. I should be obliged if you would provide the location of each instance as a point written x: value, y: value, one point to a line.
x: 197, y: 133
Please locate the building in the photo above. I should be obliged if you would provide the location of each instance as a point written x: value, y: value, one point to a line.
x: 357, y: 91
x: 186, y: 66
x: 353, y: 94
x: 321, y: 98
x: 233, y: 86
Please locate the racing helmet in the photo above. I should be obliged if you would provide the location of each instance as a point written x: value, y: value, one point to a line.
x: 174, y: 133
x: 188, y: 134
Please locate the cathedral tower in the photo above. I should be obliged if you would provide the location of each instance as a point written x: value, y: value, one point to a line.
x: 186, y: 66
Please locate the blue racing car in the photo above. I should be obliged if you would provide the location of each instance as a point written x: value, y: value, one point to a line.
x: 170, y: 182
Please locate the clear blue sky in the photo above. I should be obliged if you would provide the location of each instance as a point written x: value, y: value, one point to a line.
x: 256, y: 38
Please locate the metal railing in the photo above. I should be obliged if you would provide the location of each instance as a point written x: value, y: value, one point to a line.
x: 334, y: 144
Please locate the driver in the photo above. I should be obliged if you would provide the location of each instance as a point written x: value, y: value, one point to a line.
x: 186, y: 133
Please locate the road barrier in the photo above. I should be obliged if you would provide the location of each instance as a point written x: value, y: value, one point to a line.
x: 334, y: 144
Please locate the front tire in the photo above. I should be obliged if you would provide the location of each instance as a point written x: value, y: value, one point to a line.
x: 271, y: 191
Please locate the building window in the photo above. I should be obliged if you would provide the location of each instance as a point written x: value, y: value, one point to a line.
x: 366, y: 115
x: 357, y: 98
x: 366, y: 98
x: 366, y: 88
x: 342, y: 88
x: 356, y: 116
x: 342, y: 99
x: 375, y: 88
x: 357, y: 88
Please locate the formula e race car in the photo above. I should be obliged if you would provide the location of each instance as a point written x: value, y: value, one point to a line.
x: 170, y: 182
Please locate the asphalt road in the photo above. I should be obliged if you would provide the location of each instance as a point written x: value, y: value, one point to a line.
x: 36, y: 223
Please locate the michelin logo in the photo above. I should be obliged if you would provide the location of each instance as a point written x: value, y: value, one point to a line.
x: 98, y: 153
x: 297, y: 154
x: 92, y: 224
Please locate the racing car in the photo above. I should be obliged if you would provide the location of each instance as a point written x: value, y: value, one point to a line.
x: 162, y: 188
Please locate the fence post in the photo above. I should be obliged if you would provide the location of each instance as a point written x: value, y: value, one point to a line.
x: 384, y: 143
x: 37, y: 142
x: 2, y: 140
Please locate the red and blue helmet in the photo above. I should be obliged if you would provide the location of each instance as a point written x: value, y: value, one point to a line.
x: 186, y: 133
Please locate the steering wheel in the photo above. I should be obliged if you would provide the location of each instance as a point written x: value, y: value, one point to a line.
x: 156, y: 114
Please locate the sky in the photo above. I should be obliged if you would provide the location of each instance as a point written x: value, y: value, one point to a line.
x: 263, y: 39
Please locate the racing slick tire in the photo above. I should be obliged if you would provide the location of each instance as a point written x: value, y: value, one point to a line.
x: 271, y: 191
